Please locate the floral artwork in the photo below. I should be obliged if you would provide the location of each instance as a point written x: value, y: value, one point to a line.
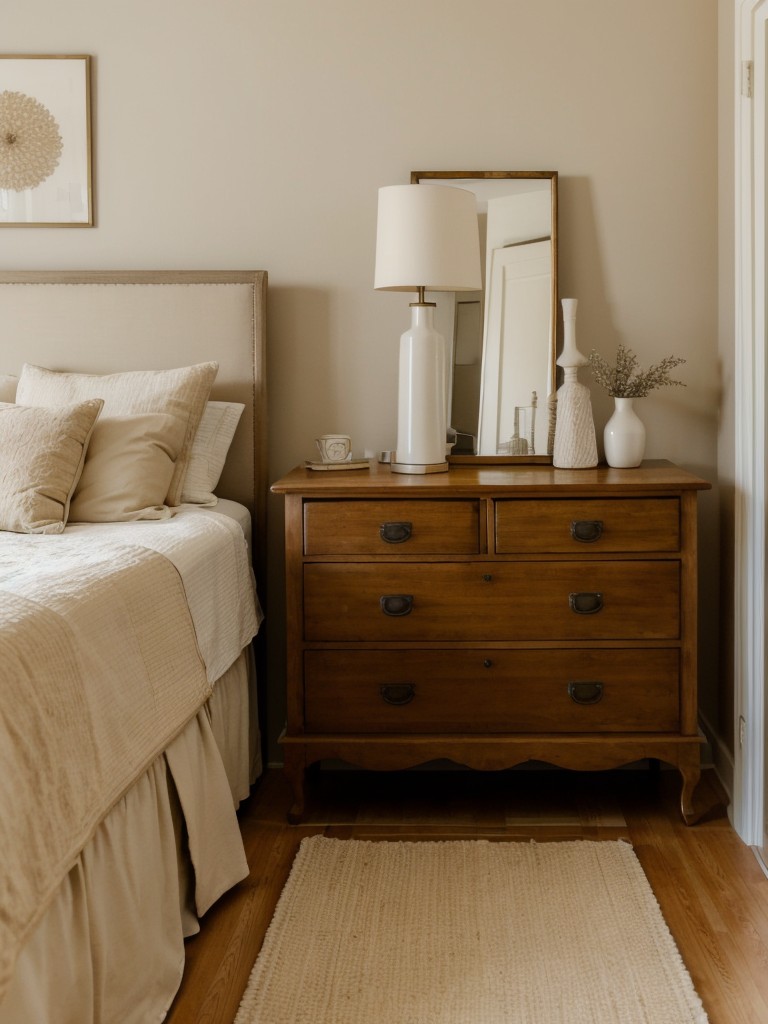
x: 30, y: 144
x: 45, y: 160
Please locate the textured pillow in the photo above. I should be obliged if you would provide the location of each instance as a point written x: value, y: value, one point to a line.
x: 128, y: 469
x: 41, y: 457
x: 209, y: 451
x: 8, y: 387
x: 181, y: 393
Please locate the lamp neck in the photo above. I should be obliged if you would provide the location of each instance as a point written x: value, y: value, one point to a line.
x: 422, y: 316
x: 420, y: 301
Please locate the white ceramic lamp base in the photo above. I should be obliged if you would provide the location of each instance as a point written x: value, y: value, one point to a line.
x: 421, y: 417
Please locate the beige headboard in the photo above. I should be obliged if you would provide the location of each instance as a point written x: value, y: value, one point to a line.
x: 107, y: 321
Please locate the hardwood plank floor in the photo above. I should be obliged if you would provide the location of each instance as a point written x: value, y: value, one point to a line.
x: 710, y: 887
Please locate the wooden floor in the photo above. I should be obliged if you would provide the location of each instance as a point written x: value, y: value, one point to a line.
x: 711, y: 889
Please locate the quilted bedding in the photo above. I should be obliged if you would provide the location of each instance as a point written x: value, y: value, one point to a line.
x: 100, y: 667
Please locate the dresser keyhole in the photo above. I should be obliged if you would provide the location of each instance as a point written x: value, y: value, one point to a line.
x: 487, y: 577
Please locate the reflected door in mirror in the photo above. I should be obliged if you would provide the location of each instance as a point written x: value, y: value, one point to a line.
x: 514, y: 396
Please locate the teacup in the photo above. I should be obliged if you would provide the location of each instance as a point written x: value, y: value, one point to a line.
x: 334, y: 447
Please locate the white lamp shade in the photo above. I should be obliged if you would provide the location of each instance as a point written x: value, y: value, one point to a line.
x: 427, y: 237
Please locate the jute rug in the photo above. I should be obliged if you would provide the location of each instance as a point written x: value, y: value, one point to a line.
x: 468, y: 932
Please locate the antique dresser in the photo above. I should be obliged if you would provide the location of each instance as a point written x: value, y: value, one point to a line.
x: 492, y: 615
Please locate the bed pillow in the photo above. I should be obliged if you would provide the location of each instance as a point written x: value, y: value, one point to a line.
x: 8, y: 387
x: 181, y: 393
x: 41, y: 458
x: 128, y: 469
x: 209, y: 451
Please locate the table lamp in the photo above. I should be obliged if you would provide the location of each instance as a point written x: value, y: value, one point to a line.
x: 427, y: 239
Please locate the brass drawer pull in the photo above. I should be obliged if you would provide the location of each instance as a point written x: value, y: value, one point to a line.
x: 395, y: 533
x: 397, y: 694
x: 585, y: 604
x: 396, y: 604
x: 587, y: 531
x: 585, y: 693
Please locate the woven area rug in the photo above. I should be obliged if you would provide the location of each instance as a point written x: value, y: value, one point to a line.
x: 468, y: 932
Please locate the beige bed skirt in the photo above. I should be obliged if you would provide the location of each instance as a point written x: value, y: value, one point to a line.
x: 110, y: 947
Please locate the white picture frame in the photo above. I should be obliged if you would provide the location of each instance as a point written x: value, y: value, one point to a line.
x: 45, y: 141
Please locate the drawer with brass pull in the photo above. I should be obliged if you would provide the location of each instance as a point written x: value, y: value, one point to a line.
x: 477, y: 601
x: 387, y: 527
x: 581, y: 526
x: 494, y: 691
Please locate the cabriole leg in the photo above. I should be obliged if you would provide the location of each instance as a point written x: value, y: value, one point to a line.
x: 691, y: 774
x: 295, y: 772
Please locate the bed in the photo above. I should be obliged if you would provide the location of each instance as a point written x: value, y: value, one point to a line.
x: 132, y: 461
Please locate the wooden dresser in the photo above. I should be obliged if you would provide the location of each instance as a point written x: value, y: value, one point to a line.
x: 491, y: 616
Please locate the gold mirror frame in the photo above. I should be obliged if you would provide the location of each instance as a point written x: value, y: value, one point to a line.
x: 486, y: 184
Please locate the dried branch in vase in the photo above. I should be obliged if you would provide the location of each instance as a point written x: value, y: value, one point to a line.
x: 625, y: 380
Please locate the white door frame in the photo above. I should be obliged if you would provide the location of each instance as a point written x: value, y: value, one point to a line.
x: 747, y: 813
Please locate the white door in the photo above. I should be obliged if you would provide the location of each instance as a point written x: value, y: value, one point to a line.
x: 758, y: 85
x: 749, y: 810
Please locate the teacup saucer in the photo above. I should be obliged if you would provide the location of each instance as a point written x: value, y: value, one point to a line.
x: 348, y: 464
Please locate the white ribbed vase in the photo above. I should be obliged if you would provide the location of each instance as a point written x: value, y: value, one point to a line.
x: 624, y: 436
x: 575, y: 445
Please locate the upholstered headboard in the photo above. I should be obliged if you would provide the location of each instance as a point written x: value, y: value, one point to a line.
x: 107, y: 321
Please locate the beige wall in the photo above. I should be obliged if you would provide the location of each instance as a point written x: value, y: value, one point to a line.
x: 255, y: 135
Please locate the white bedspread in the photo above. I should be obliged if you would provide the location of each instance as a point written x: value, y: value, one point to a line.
x: 107, y: 649
x: 210, y: 552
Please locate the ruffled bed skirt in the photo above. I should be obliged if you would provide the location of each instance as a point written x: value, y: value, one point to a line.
x: 110, y: 947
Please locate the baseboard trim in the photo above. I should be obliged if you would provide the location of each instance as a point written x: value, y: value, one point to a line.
x: 717, y: 755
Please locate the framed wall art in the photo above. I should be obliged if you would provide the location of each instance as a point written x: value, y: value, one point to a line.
x: 45, y: 141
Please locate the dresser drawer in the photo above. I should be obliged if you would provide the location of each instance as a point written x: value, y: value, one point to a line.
x: 492, y: 691
x: 581, y: 526
x: 387, y: 527
x: 484, y: 601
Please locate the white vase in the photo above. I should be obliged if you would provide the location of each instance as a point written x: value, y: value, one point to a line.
x: 575, y: 446
x: 624, y: 436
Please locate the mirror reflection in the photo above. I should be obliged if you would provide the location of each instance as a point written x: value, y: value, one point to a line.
x: 502, y: 340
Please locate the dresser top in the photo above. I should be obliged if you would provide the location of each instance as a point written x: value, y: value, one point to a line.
x: 652, y: 477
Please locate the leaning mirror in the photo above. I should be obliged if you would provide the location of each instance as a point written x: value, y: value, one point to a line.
x: 502, y: 340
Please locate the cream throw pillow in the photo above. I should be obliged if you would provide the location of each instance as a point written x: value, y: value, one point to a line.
x: 41, y: 457
x: 209, y: 451
x: 181, y: 393
x: 8, y: 387
x: 128, y: 469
